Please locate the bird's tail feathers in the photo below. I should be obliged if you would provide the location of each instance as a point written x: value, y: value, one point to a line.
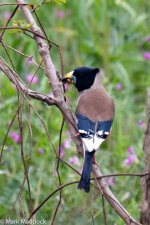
x: 86, y: 172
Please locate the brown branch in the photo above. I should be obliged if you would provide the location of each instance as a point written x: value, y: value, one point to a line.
x: 3, y: 31
x: 15, y: 79
x: 22, y: 151
x: 113, y: 201
x: 75, y: 182
x: 23, y: 54
x: 49, y: 196
x: 104, y: 210
x: 11, y: 123
x: 50, y: 72
x: 58, y: 173
x: 14, y: 4
x: 145, y: 207
x: 27, y: 30
x: 13, y: 206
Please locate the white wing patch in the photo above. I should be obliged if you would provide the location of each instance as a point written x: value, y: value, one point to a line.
x: 83, y: 131
x: 93, y: 142
x: 100, y: 132
x: 88, y: 144
x: 97, y: 142
x: 92, y: 133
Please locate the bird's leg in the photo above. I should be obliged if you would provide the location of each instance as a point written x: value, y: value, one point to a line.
x: 77, y: 134
x: 94, y: 160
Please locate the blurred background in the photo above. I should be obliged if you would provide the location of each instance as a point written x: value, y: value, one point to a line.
x: 112, y: 35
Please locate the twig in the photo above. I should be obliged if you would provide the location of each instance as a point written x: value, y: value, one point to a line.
x: 103, y: 187
x: 58, y: 173
x: 14, y: 4
x: 49, y: 196
x: 50, y: 71
x: 104, y: 210
x: 70, y: 183
x: 19, y: 83
x: 5, y: 138
x: 23, y: 54
x: 13, y: 206
x: 22, y: 150
x: 3, y: 31
x: 35, y: 33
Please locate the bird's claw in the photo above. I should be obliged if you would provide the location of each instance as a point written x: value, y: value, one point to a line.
x: 94, y: 161
x: 77, y: 134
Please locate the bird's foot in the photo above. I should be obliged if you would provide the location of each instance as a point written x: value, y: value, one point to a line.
x: 77, y: 134
x: 94, y: 161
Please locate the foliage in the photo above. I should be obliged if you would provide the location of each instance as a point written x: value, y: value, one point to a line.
x: 112, y: 35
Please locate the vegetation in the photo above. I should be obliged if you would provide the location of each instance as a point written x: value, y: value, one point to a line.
x: 112, y: 35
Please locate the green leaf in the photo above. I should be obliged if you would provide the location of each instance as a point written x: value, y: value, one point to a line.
x: 59, y: 1
x: 21, y: 24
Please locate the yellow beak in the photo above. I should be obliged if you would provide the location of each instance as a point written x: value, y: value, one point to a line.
x: 68, y: 78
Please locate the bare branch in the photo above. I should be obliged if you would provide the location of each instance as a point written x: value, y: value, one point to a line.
x: 103, y: 187
x: 145, y: 207
x: 19, y: 83
x: 50, y: 71
x: 23, y: 54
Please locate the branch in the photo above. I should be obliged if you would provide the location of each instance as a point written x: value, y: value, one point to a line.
x: 145, y: 207
x: 113, y: 201
x: 15, y: 79
x: 50, y: 72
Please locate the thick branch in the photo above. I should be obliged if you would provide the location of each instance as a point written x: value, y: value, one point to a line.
x: 50, y: 71
x: 145, y: 207
x: 14, y: 78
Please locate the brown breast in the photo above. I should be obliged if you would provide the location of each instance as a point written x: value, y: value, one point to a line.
x: 96, y: 104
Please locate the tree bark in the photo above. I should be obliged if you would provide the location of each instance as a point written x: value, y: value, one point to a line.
x: 145, y: 208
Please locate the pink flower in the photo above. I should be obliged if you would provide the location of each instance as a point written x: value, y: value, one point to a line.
x: 132, y: 158
x: 74, y: 160
x: 40, y: 151
x: 30, y: 78
x: 62, y: 152
x: 146, y: 55
x: 130, y: 150
x: 30, y: 60
x: 15, y: 137
x: 110, y: 181
x: 6, y: 15
x: 60, y: 14
x: 147, y: 39
x: 119, y: 86
x: 67, y: 143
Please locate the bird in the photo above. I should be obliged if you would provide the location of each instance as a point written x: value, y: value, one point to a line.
x: 95, y: 110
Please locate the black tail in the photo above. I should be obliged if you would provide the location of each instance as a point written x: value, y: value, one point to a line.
x: 87, y: 167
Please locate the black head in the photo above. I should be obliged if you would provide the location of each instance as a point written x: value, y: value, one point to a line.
x: 82, y: 77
